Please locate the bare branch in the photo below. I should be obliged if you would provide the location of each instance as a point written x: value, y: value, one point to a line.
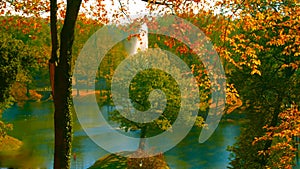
x: 157, y: 2
x: 121, y: 6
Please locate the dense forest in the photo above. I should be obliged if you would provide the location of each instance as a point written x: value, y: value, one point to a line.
x: 258, y: 44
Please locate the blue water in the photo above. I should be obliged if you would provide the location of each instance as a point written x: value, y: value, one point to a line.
x: 33, y: 124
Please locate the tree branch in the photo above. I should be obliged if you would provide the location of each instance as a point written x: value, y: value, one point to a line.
x: 62, y: 89
x: 156, y: 2
x: 54, y: 42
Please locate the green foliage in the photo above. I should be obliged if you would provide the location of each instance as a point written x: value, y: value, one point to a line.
x: 34, y: 33
x: 4, y: 128
x: 139, y: 91
x: 15, y: 64
x: 265, y: 97
x: 140, y: 88
x: 265, y: 94
x: 283, y: 151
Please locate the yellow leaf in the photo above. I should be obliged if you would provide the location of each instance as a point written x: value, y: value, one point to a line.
x: 255, y: 71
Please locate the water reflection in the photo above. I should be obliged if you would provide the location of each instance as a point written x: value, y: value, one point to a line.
x: 211, y: 154
x: 33, y: 124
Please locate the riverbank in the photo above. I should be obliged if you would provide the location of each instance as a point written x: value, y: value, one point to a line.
x: 33, y: 125
x: 119, y: 160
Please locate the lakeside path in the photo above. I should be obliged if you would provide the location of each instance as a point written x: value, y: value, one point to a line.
x: 84, y: 92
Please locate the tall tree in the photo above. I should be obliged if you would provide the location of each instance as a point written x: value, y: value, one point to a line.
x: 258, y: 32
x: 16, y: 59
x: 60, y: 68
x: 262, y: 42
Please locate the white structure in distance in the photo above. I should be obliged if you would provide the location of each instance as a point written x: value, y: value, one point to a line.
x: 134, y: 45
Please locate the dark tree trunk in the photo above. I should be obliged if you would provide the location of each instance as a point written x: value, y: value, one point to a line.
x: 275, y: 117
x: 62, y: 88
x: 142, y: 137
x: 273, y: 123
x: 54, y: 42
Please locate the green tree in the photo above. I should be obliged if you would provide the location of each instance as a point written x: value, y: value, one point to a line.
x: 60, y: 74
x: 35, y: 35
x: 140, y: 95
x: 15, y: 64
x: 262, y: 44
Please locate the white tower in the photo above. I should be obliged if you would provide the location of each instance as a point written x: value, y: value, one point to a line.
x: 134, y: 44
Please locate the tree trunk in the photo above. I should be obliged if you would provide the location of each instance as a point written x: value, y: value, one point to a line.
x: 268, y: 143
x: 142, y: 138
x: 54, y: 42
x: 275, y: 118
x: 62, y: 90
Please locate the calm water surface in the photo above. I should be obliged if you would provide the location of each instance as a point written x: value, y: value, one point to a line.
x: 33, y: 124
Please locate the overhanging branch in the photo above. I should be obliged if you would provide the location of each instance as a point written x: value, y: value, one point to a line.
x: 157, y: 2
